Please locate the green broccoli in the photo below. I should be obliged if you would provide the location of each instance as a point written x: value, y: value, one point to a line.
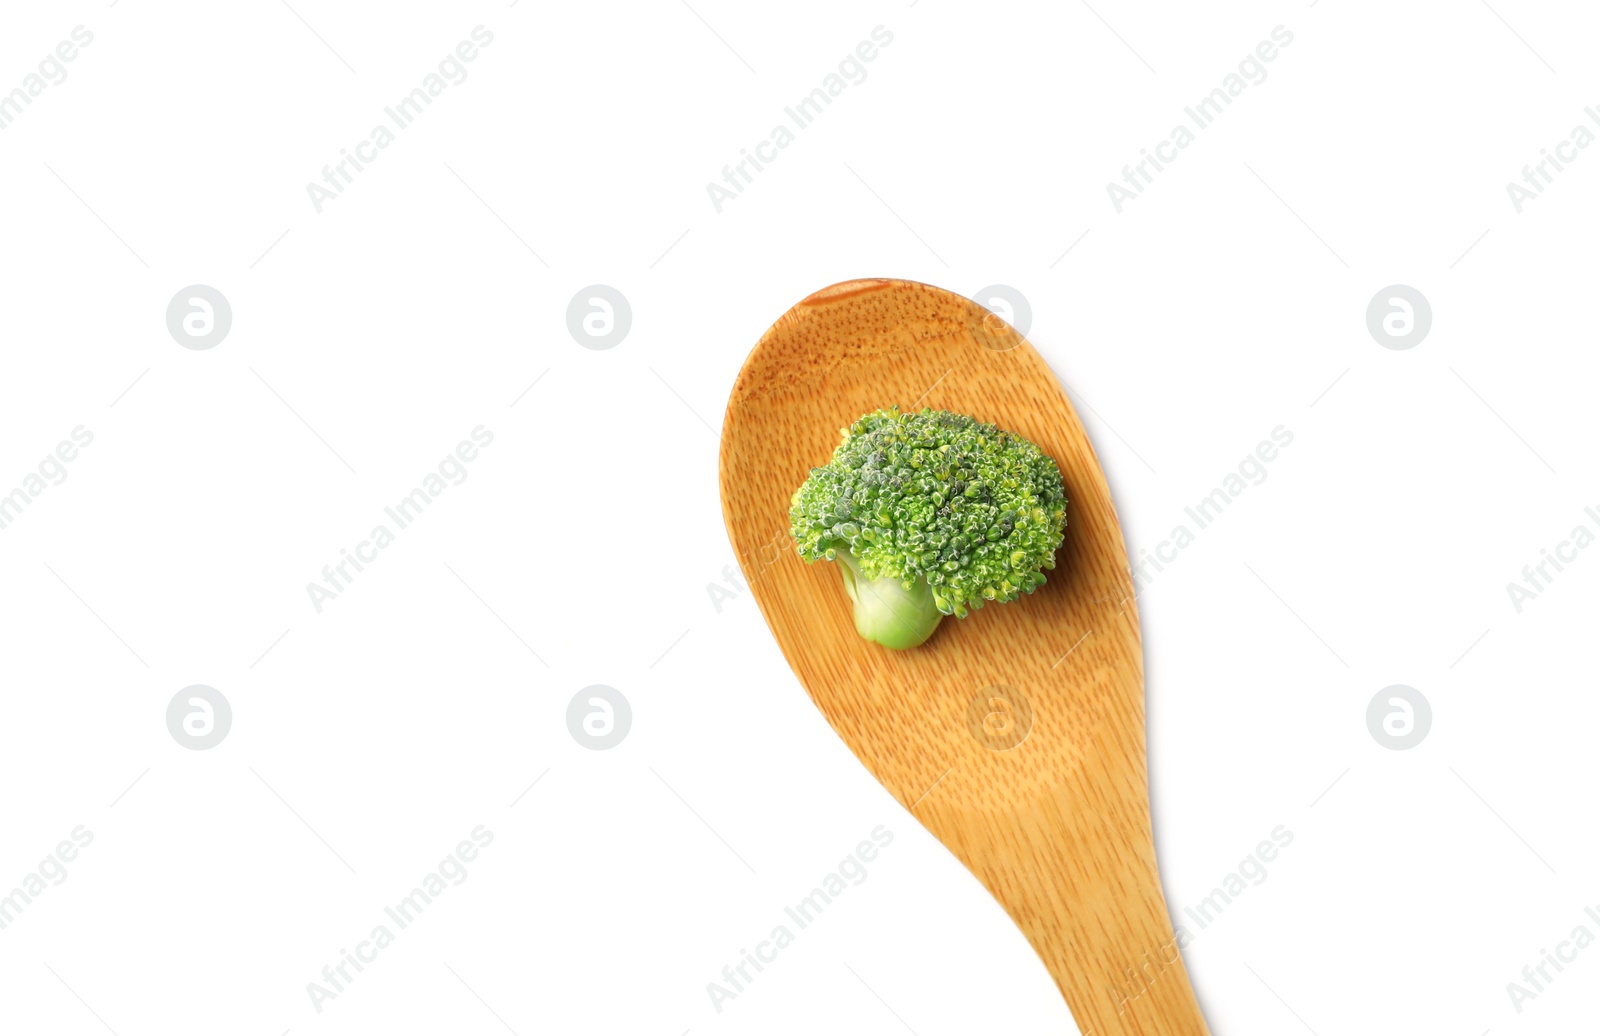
x: 929, y: 514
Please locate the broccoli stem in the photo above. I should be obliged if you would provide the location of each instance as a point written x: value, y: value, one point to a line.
x: 885, y: 610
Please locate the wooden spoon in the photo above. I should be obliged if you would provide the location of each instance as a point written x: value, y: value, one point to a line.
x: 1015, y: 735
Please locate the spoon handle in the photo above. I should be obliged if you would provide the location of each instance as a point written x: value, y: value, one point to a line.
x: 1078, y: 877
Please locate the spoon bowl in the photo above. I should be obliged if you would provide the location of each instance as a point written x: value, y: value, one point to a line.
x: 1015, y: 735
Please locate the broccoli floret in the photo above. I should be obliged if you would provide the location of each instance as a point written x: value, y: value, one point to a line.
x: 930, y: 514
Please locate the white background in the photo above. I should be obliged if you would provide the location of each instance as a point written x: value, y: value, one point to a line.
x: 369, y: 339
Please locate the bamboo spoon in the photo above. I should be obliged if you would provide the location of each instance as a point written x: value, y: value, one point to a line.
x: 1015, y: 735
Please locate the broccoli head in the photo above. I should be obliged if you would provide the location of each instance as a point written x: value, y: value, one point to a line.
x: 930, y: 514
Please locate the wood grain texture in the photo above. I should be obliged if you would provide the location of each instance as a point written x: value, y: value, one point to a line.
x: 1015, y: 735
